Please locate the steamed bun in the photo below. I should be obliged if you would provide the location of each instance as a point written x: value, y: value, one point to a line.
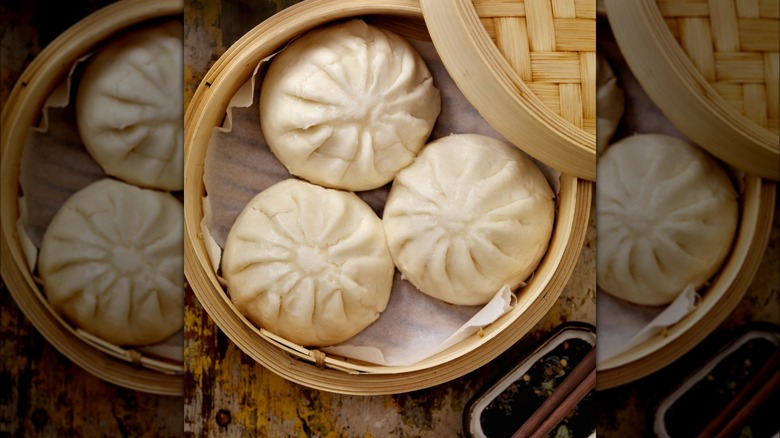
x: 112, y: 264
x: 129, y: 107
x: 666, y: 218
x: 610, y: 103
x: 470, y: 215
x: 348, y: 105
x: 308, y: 263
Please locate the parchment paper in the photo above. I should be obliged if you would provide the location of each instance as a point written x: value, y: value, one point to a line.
x: 414, y: 326
x: 55, y: 164
x: 623, y: 325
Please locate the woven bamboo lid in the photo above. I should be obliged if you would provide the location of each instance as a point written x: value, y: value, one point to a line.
x: 539, y: 56
x: 713, y: 67
x: 19, y: 114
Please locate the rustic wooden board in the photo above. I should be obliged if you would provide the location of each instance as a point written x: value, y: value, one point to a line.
x: 42, y: 393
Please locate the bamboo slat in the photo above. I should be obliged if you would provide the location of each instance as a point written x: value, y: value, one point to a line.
x: 728, y: 42
x: 768, y: 9
x: 502, y: 52
x: 543, y: 41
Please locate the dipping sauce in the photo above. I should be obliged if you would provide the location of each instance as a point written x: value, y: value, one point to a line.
x: 511, y: 408
x: 695, y: 408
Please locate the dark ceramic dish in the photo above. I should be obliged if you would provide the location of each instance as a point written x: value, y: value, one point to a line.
x: 703, y: 395
x: 501, y: 408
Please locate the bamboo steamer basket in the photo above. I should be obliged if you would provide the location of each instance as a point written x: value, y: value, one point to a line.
x: 312, y: 367
x: 717, y: 301
x: 727, y: 103
x: 22, y: 111
x: 714, y: 70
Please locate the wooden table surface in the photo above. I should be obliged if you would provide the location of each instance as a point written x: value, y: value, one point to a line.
x: 228, y: 394
x: 42, y: 393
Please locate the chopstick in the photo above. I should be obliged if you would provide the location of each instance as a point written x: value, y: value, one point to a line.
x: 567, y: 405
x: 747, y: 399
x: 574, y: 388
x: 750, y: 407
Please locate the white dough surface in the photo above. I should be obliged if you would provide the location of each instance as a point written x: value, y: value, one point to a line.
x: 129, y: 107
x: 470, y: 215
x: 348, y: 105
x: 111, y: 262
x: 308, y: 263
x: 665, y: 221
